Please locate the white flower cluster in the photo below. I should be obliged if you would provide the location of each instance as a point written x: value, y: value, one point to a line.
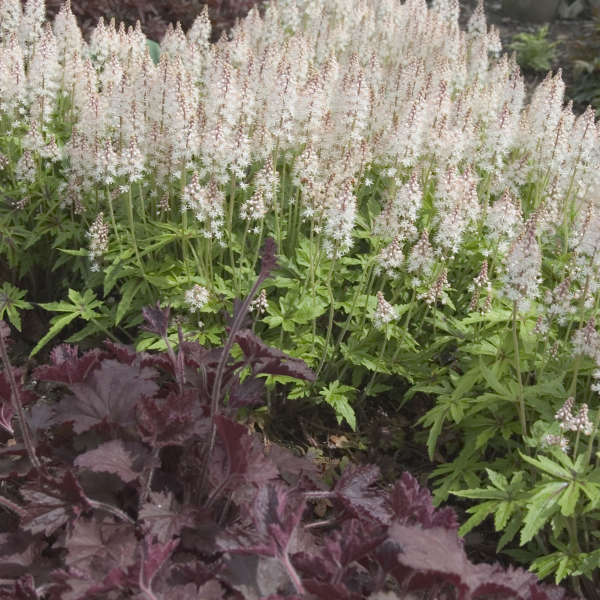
x: 339, y: 221
x: 556, y: 440
x: 206, y: 202
x: 350, y: 85
x: 384, y: 313
x: 197, y: 297
x: 260, y: 303
x: 522, y: 265
x: 390, y: 259
x: 266, y: 184
x: 482, y: 281
x: 98, y: 236
x: 569, y: 422
x: 399, y: 214
x: 457, y: 206
x: 421, y: 258
x: 435, y: 291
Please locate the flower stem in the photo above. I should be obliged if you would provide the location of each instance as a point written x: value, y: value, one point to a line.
x: 518, y: 370
x: 17, y: 405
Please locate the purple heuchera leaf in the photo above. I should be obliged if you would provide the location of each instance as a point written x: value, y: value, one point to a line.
x: 411, y: 504
x: 157, y: 319
x: 276, y: 513
x: 109, y: 394
x: 67, y: 366
x: 95, y: 547
x: 250, y: 392
x: 353, y: 489
x: 245, y: 460
x: 18, y: 551
x: 269, y: 258
x: 52, y: 502
x: 6, y: 409
x: 330, y: 591
x: 25, y: 589
x: 124, y: 354
x: 271, y: 361
x: 168, y: 421
x: 110, y: 457
x: 339, y: 550
x: 139, y: 575
x: 165, y: 519
x: 429, y: 556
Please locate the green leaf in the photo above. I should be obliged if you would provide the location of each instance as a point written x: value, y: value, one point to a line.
x: 336, y: 395
x: 478, y: 515
x: 568, y: 499
x: 497, y: 479
x: 545, y: 565
x: 509, y: 533
x: 465, y: 383
x: 543, y: 505
x: 502, y: 514
x: 309, y: 308
x: 493, y: 381
x: 487, y: 493
x: 11, y: 301
x: 128, y: 291
x: 57, y: 326
x: 548, y: 466
x: 154, y: 50
x: 80, y: 252
x: 440, y: 414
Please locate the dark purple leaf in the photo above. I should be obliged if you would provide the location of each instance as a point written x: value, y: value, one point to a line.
x: 250, y: 392
x: 354, y: 490
x: 25, y: 588
x: 269, y: 258
x: 96, y: 546
x: 52, y: 502
x: 67, y: 366
x: 169, y: 421
x: 17, y: 553
x: 212, y: 590
x: 155, y: 556
x: 157, y: 319
x: 295, y: 469
x: 27, y: 396
x: 41, y: 417
x: 339, y: 550
x: 277, y: 512
x: 433, y: 556
x: 271, y: 361
x: 330, y: 591
x: 110, y: 457
x: 256, y: 577
x: 412, y: 504
x: 195, y: 571
x: 109, y: 394
x: 244, y: 459
x: 165, y: 519
x: 124, y: 354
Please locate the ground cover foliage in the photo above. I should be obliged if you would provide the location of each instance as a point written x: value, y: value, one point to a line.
x: 437, y: 237
x: 137, y: 481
